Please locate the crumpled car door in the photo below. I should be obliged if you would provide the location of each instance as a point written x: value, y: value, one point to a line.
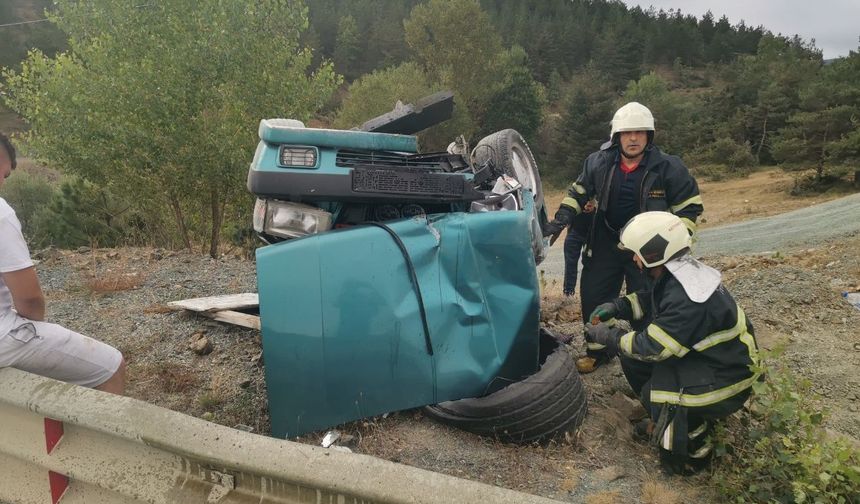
x: 343, y: 333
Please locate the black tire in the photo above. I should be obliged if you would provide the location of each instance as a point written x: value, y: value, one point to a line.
x: 544, y: 405
x: 510, y: 153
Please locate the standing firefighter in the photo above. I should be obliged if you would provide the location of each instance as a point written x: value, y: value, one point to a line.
x: 627, y: 176
x: 692, y: 364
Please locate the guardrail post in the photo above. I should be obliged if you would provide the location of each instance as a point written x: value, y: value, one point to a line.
x: 59, y: 483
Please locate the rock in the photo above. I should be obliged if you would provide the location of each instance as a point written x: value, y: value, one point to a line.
x: 208, y: 416
x: 112, y: 254
x: 200, y: 344
x: 585, y: 364
x: 609, y: 474
x: 244, y: 428
x: 257, y: 360
x: 83, y: 250
x: 245, y: 383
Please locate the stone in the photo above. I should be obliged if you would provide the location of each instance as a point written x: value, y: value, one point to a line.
x: 257, y: 359
x: 200, y: 344
x: 208, y: 416
x: 609, y: 474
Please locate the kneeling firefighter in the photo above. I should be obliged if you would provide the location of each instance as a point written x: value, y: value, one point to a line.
x: 694, y: 361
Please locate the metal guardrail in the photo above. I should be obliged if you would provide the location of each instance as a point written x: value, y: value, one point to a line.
x: 105, y: 449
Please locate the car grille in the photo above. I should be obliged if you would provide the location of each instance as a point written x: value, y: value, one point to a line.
x: 407, y: 182
x: 353, y: 158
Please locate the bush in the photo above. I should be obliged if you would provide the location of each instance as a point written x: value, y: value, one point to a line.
x: 778, y: 451
x: 28, y: 193
x: 724, y: 158
x: 81, y: 213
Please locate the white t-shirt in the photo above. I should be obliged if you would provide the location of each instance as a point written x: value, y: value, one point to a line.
x: 14, y: 256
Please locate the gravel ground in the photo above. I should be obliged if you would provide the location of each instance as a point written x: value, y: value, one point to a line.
x: 793, y: 299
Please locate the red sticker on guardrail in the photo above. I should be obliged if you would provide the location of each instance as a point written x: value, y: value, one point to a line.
x: 53, y: 433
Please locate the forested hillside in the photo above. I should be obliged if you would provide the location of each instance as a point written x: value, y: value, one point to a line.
x: 727, y: 97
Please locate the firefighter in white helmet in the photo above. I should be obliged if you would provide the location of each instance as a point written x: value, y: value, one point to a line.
x: 627, y: 176
x: 696, y: 360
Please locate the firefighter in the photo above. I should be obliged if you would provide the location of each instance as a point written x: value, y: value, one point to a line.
x: 627, y: 176
x: 696, y: 360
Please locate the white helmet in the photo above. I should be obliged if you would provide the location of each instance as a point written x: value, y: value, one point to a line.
x: 655, y: 237
x: 632, y: 117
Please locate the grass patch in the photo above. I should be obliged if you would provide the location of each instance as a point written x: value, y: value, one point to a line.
x: 116, y: 281
x: 777, y: 450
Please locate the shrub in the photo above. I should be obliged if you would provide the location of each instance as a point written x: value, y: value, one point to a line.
x: 778, y: 451
x: 723, y: 158
x: 81, y: 213
x: 28, y: 193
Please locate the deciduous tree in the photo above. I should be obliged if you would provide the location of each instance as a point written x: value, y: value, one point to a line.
x: 160, y: 101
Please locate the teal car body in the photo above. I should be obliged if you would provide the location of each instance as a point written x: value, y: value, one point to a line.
x: 411, y: 279
x: 342, y: 332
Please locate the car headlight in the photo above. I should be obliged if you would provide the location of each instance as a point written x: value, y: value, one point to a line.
x: 297, y: 157
x: 289, y: 220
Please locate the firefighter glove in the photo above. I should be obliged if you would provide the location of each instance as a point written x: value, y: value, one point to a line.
x: 604, y: 312
x: 563, y: 218
x: 602, y: 338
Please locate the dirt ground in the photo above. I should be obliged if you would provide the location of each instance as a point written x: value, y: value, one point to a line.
x: 761, y: 194
x: 793, y: 300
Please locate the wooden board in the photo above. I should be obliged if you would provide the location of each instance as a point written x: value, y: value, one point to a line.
x: 218, y: 303
x: 223, y: 308
x: 235, y: 318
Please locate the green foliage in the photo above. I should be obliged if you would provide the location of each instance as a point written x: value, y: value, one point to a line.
x: 824, y: 132
x: 723, y: 158
x: 458, y: 47
x: 28, y: 194
x: 347, y: 49
x: 619, y: 55
x: 584, y: 125
x: 161, y: 100
x: 677, y: 117
x: 764, y: 88
x: 779, y: 452
x: 81, y: 213
x: 377, y: 92
x: 518, y: 102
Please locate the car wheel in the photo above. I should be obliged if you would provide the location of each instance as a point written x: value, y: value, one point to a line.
x: 539, y: 408
x: 510, y: 154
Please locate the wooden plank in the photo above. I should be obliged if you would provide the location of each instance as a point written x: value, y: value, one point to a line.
x: 235, y: 318
x: 218, y: 303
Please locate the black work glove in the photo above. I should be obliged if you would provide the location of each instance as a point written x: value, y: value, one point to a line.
x: 605, y: 312
x: 603, y: 335
x: 562, y: 219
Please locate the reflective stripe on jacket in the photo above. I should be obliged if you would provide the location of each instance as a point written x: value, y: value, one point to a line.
x: 701, y: 352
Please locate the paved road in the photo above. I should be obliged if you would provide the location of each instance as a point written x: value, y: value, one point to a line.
x: 806, y: 227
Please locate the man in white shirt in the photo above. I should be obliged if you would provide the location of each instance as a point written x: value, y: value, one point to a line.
x: 29, y: 343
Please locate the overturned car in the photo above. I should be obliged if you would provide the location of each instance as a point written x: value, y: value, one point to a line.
x: 394, y: 279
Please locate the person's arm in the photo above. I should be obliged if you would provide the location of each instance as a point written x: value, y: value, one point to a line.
x: 668, y: 335
x: 26, y: 293
x: 577, y: 201
x: 682, y: 195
